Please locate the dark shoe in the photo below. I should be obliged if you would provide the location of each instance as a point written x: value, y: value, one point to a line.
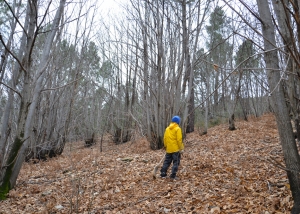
x: 163, y: 174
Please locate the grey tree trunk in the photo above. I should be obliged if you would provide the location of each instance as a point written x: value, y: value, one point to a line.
x: 188, y: 115
x: 284, y: 23
x: 145, y: 73
x: 4, y: 130
x: 167, y: 61
x: 289, y: 148
x: 17, y: 154
x: 207, y: 101
x: 37, y: 91
x: 6, y: 183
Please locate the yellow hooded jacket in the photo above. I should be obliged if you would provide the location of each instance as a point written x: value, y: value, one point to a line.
x: 173, y: 138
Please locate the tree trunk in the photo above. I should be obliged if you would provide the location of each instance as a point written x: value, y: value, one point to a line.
x: 285, y: 130
x: 7, y: 182
x: 188, y: 115
x: 231, y: 122
x: 292, y: 90
x: 37, y: 91
x: 8, y: 106
x: 18, y: 152
x: 145, y: 73
x: 159, y: 71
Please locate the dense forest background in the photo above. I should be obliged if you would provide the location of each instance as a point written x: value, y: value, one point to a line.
x: 69, y: 72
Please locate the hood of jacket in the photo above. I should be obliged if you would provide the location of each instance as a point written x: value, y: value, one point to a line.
x: 173, y: 125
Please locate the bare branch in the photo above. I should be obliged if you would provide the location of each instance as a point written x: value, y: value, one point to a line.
x: 231, y: 74
x: 51, y: 89
x: 16, y: 58
x: 11, y: 89
x: 14, y: 15
x: 250, y: 10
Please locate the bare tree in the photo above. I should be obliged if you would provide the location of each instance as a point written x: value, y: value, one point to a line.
x: 17, y: 153
x: 167, y: 61
x: 291, y: 55
x: 290, y: 152
x: 5, y: 126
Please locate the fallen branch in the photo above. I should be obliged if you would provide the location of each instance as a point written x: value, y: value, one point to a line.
x: 156, y: 167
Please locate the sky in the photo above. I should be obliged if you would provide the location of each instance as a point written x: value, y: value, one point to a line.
x: 111, y: 6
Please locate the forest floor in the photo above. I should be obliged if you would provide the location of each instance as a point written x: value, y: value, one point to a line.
x: 221, y: 172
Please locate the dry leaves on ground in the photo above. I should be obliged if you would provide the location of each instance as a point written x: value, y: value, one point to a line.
x: 221, y: 172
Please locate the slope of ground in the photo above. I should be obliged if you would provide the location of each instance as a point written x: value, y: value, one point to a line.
x: 221, y: 172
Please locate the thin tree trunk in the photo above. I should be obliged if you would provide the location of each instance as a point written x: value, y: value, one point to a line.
x: 207, y: 102
x: 4, y: 56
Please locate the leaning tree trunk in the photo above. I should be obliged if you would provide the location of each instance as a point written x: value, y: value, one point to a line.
x: 37, y: 92
x: 289, y: 148
x: 18, y: 152
x: 6, y: 170
x: 5, y: 127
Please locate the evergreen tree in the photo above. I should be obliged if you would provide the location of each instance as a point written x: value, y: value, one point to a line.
x: 220, y: 52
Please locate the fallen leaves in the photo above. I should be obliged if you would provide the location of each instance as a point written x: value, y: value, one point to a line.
x: 221, y: 172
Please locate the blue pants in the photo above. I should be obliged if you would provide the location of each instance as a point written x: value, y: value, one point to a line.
x: 170, y: 157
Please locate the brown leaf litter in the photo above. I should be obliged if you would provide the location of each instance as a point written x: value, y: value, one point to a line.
x: 221, y: 172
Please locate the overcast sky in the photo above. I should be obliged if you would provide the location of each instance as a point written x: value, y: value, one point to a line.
x: 111, y: 6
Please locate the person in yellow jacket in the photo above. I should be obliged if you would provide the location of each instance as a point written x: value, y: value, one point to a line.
x: 174, y: 147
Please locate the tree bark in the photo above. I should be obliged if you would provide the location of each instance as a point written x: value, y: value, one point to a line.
x: 188, y: 115
x: 17, y: 154
x: 290, y: 152
x: 8, y: 106
x: 292, y: 89
x: 6, y: 182
x: 36, y: 93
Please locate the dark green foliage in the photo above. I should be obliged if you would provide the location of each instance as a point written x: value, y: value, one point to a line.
x: 217, y: 30
x: 217, y: 21
x: 106, y: 70
x: 246, y: 49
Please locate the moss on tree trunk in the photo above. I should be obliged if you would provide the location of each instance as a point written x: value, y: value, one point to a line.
x: 6, y: 185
